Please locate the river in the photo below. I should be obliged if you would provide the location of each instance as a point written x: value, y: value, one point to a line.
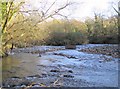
x: 86, y: 69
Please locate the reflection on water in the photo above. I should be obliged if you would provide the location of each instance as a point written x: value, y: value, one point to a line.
x: 9, y: 62
x: 19, y: 65
x: 8, y: 65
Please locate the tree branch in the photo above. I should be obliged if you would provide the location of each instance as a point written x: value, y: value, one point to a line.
x: 116, y: 11
x: 50, y: 7
x: 6, y: 20
x: 54, y: 13
x: 17, y: 23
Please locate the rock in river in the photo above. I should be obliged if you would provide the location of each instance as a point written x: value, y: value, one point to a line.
x: 54, y: 71
x: 68, y: 76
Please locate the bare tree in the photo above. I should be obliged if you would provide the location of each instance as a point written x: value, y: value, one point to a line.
x: 29, y: 14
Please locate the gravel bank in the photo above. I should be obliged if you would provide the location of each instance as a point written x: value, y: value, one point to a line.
x: 110, y: 50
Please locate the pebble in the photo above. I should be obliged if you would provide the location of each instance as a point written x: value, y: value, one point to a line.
x: 33, y: 76
x: 44, y: 75
x: 106, y: 50
x: 68, y: 76
x: 54, y: 71
x: 70, y: 71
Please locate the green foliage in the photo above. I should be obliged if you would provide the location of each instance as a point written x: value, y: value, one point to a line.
x: 102, y: 30
x: 62, y: 32
x: 3, y: 9
x: 76, y: 38
x: 104, y: 39
x: 56, y: 38
x: 65, y: 32
x: 7, y: 9
x: 56, y: 32
x: 62, y: 38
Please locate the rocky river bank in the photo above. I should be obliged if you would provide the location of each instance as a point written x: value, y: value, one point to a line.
x: 55, y: 66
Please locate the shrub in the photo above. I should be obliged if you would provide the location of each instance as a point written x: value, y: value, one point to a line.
x: 104, y: 39
x: 62, y: 38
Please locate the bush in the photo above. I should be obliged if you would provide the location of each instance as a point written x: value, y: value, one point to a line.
x: 55, y: 38
x: 103, y: 40
x: 76, y: 38
x: 62, y: 38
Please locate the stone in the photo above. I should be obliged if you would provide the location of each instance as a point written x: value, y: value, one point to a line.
x: 70, y: 71
x: 54, y: 71
x: 44, y: 75
x: 68, y: 76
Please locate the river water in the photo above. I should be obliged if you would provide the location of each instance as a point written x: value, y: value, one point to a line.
x: 83, y: 65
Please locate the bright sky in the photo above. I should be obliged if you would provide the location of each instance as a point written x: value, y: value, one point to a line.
x: 81, y: 9
x: 88, y: 8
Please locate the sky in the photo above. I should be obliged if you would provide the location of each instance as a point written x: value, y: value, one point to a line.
x: 81, y: 9
x: 103, y: 7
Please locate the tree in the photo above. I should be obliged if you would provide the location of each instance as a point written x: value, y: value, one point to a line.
x: 89, y: 23
x: 11, y: 10
x: 8, y: 9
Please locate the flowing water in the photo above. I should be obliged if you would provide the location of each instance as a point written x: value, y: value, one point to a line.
x: 84, y: 66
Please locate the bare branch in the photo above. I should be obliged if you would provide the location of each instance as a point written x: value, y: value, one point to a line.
x: 62, y: 15
x: 54, y: 13
x: 116, y: 10
x: 50, y: 6
x: 28, y: 11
